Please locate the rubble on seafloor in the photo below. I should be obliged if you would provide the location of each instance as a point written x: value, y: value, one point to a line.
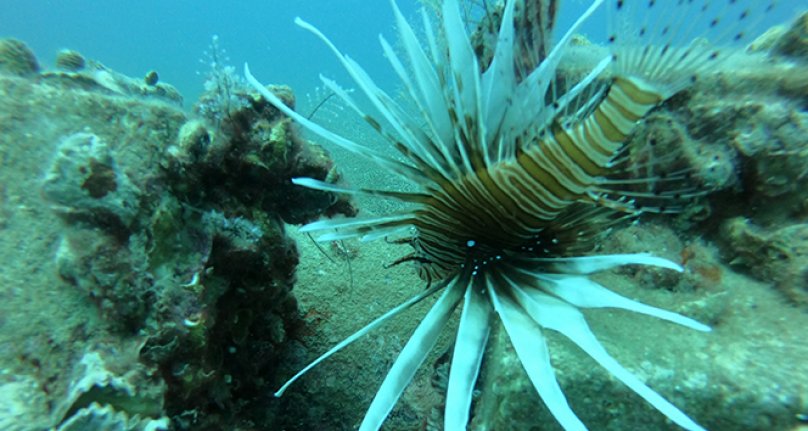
x: 147, y: 272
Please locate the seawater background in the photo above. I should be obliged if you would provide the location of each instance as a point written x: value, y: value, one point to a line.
x: 170, y: 37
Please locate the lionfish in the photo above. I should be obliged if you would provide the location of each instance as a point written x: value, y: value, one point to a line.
x: 517, y: 177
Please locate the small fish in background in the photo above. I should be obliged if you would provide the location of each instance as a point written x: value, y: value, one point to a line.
x: 520, y: 174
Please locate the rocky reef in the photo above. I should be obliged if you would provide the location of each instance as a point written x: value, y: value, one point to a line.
x: 148, y: 272
x: 147, y: 269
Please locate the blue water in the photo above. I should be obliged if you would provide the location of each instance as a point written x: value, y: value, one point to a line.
x: 170, y: 36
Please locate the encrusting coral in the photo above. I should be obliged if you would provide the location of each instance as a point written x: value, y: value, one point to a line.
x: 151, y: 228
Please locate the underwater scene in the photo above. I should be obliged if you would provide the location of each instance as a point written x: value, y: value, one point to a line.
x: 404, y: 215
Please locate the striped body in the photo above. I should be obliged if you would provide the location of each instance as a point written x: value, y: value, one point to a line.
x: 511, y: 207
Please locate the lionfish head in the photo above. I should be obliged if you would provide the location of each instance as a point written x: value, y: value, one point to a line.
x: 517, y: 177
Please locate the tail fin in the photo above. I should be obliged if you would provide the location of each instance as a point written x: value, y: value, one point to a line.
x: 662, y: 46
x: 667, y: 44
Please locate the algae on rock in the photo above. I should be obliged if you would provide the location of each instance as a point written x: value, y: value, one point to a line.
x: 145, y: 241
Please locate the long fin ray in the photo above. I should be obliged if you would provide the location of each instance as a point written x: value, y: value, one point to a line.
x: 472, y: 336
x: 395, y: 166
x: 557, y: 315
x: 531, y: 347
x: 334, y: 188
x: 362, y: 332
x: 411, y: 357
x: 591, y: 264
x: 499, y: 80
x: 585, y: 293
x: 530, y: 93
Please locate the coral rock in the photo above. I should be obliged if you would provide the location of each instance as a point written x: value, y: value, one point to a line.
x: 151, y: 78
x: 70, y: 60
x: 794, y: 41
x: 16, y: 58
x: 779, y: 255
x: 85, y: 179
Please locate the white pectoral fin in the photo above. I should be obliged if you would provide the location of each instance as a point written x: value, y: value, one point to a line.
x: 583, y: 292
x: 591, y: 264
x: 560, y: 316
x: 411, y: 357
